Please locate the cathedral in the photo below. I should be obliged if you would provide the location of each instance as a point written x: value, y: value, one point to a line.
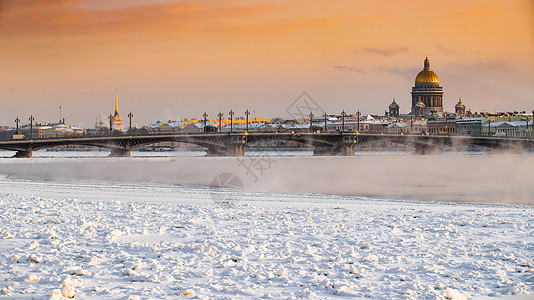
x: 427, y: 94
x: 116, y: 121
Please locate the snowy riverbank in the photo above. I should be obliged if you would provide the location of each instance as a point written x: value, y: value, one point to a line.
x: 109, y: 241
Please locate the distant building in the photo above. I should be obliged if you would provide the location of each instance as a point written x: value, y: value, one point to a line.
x: 99, y: 124
x: 442, y: 125
x: 519, y: 128
x: 416, y: 127
x: 394, y: 109
x: 459, y: 108
x: 378, y: 127
x: 469, y: 126
x: 165, y: 127
x: 50, y: 131
x: 428, y: 91
x: 116, y: 121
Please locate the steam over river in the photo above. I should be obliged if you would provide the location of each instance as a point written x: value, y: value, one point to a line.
x: 485, y: 178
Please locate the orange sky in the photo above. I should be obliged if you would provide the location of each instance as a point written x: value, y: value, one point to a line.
x: 176, y: 59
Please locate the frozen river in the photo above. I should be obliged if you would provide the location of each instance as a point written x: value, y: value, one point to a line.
x: 302, y: 227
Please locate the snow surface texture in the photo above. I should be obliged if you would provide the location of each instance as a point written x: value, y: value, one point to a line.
x: 136, y: 241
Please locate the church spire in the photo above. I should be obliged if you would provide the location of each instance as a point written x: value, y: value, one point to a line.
x: 116, y: 103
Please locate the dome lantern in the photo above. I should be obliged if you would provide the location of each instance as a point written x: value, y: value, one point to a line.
x: 426, y: 75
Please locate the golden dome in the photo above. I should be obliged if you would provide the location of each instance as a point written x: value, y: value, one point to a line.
x: 426, y: 75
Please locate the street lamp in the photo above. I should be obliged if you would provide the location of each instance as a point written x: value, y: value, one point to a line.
x: 110, y: 124
x: 205, y: 115
x: 247, y: 113
x: 489, y: 127
x: 31, y: 126
x: 220, y: 115
x: 446, y: 125
x: 325, y: 116
x: 311, y: 121
x: 343, y: 115
x: 130, y: 116
x: 231, y: 120
x: 17, y: 121
x: 526, y: 126
x: 358, y: 114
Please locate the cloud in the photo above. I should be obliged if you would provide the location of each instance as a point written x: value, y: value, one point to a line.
x: 351, y: 69
x: 382, y: 51
x: 483, y: 67
x: 446, y: 50
x: 68, y: 19
x: 406, y: 73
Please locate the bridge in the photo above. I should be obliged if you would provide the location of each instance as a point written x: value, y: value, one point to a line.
x: 233, y: 144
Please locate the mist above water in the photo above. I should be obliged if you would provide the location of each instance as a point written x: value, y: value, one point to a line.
x: 499, y: 178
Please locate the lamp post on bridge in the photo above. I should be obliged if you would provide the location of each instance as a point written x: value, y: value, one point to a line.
x: 526, y: 126
x: 110, y: 124
x: 311, y: 121
x: 489, y: 127
x: 205, y: 115
x: 220, y: 115
x: 130, y: 116
x: 31, y: 126
x: 325, y: 116
x: 343, y: 114
x: 446, y: 124
x: 358, y: 115
x: 17, y: 121
x: 247, y: 113
x: 231, y: 120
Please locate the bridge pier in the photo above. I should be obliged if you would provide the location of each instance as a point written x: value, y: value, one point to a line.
x: 423, y: 150
x: 236, y: 150
x: 216, y: 151
x: 348, y: 150
x: 120, y: 153
x: 23, y: 154
x: 343, y: 150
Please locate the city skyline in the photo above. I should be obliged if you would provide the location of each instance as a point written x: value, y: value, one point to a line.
x: 171, y: 59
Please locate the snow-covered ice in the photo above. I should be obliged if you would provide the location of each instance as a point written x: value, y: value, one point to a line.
x: 140, y: 240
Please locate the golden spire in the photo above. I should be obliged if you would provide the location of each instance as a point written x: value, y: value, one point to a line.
x: 116, y: 103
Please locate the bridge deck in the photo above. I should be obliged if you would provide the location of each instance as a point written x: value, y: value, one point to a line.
x: 233, y: 143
